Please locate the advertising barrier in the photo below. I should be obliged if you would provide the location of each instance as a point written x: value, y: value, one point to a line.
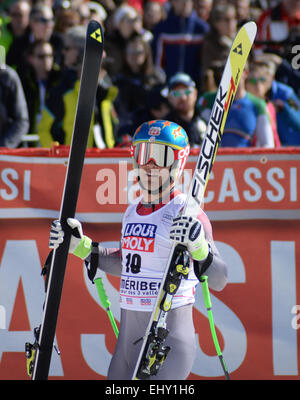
x: 253, y: 202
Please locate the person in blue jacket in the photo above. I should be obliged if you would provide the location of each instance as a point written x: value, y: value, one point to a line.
x: 287, y: 105
x: 177, y: 40
x: 284, y: 98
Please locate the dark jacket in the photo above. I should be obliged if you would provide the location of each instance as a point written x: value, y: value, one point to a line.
x: 195, y: 128
x: 14, y: 121
x: 31, y: 89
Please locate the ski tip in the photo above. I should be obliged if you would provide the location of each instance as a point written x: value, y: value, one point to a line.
x: 251, y: 29
x: 95, y: 32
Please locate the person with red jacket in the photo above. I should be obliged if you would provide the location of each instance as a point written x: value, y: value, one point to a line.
x: 275, y: 24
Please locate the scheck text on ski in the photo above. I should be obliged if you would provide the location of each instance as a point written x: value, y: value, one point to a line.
x: 212, y: 139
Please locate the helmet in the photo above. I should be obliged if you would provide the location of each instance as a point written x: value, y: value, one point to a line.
x: 164, y: 142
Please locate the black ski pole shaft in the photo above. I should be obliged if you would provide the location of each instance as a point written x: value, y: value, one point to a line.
x: 85, y: 106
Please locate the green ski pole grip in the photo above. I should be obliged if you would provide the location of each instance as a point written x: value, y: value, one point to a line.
x: 206, y: 296
x: 106, y: 303
x: 102, y: 294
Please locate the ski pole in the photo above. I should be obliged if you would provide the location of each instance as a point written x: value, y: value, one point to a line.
x: 208, y: 305
x: 106, y: 303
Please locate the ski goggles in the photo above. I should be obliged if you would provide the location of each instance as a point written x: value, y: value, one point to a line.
x: 162, y: 155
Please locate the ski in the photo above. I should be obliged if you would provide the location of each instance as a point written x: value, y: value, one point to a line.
x: 39, y: 354
x: 153, y: 353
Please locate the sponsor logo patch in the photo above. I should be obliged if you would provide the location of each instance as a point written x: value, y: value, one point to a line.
x: 154, y: 131
x: 140, y: 237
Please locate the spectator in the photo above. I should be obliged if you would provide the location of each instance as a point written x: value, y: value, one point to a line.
x: 285, y: 71
x: 182, y: 98
x: 247, y: 121
x: 97, y: 12
x: 17, y: 27
x: 139, y: 74
x: 65, y: 19
x: 279, y: 28
x: 156, y: 107
x: 37, y: 79
x: 177, y: 40
x: 14, y: 121
x: 203, y: 9
x: 256, y: 84
x: 127, y: 23
x: 58, y: 115
x: 287, y: 105
x: 243, y: 11
x: 41, y: 28
x: 218, y: 41
x: 74, y: 41
x: 154, y: 12
x: 84, y: 13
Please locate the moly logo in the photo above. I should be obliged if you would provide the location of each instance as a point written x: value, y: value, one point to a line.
x: 139, y: 237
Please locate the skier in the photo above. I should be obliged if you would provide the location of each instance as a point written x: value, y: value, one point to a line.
x: 159, y: 150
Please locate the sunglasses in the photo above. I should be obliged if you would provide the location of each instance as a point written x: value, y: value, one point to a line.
x: 43, y: 56
x: 181, y: 92
x: 44, y: 20
x: 255, y: 81
x: 135, y: 52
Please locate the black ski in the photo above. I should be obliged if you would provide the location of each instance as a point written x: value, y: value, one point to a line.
x: 85, y: 106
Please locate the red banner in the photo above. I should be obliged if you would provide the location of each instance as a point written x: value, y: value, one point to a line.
x: 252, y: 199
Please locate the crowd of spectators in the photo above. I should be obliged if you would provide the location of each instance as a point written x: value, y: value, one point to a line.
x: 163, y: 59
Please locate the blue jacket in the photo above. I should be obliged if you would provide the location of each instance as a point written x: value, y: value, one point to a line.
x: 288, y: 119
x: 177, y: 44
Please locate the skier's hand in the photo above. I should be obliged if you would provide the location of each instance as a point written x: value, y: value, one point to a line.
x: 80, y: 245
x: 189, y: 232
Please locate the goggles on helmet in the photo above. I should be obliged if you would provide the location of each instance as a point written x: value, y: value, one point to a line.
x: 162, y: 155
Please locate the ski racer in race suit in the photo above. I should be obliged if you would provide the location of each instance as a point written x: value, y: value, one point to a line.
x: 160, y: 150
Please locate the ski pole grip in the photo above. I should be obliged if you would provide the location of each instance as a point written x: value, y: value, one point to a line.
x: 102, y: 293
x: 206, y: 296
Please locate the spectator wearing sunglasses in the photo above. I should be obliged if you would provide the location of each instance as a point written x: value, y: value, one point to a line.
x: 56, y: 124
x: 285, y: 101
x: 38, y: 77
x: 182, y: 97
x: 41, y: 26
x: 42, y: 23
x: 248, y: 122
x: 16, y: 26
x: 14, y: 122
x: 256, y: 84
